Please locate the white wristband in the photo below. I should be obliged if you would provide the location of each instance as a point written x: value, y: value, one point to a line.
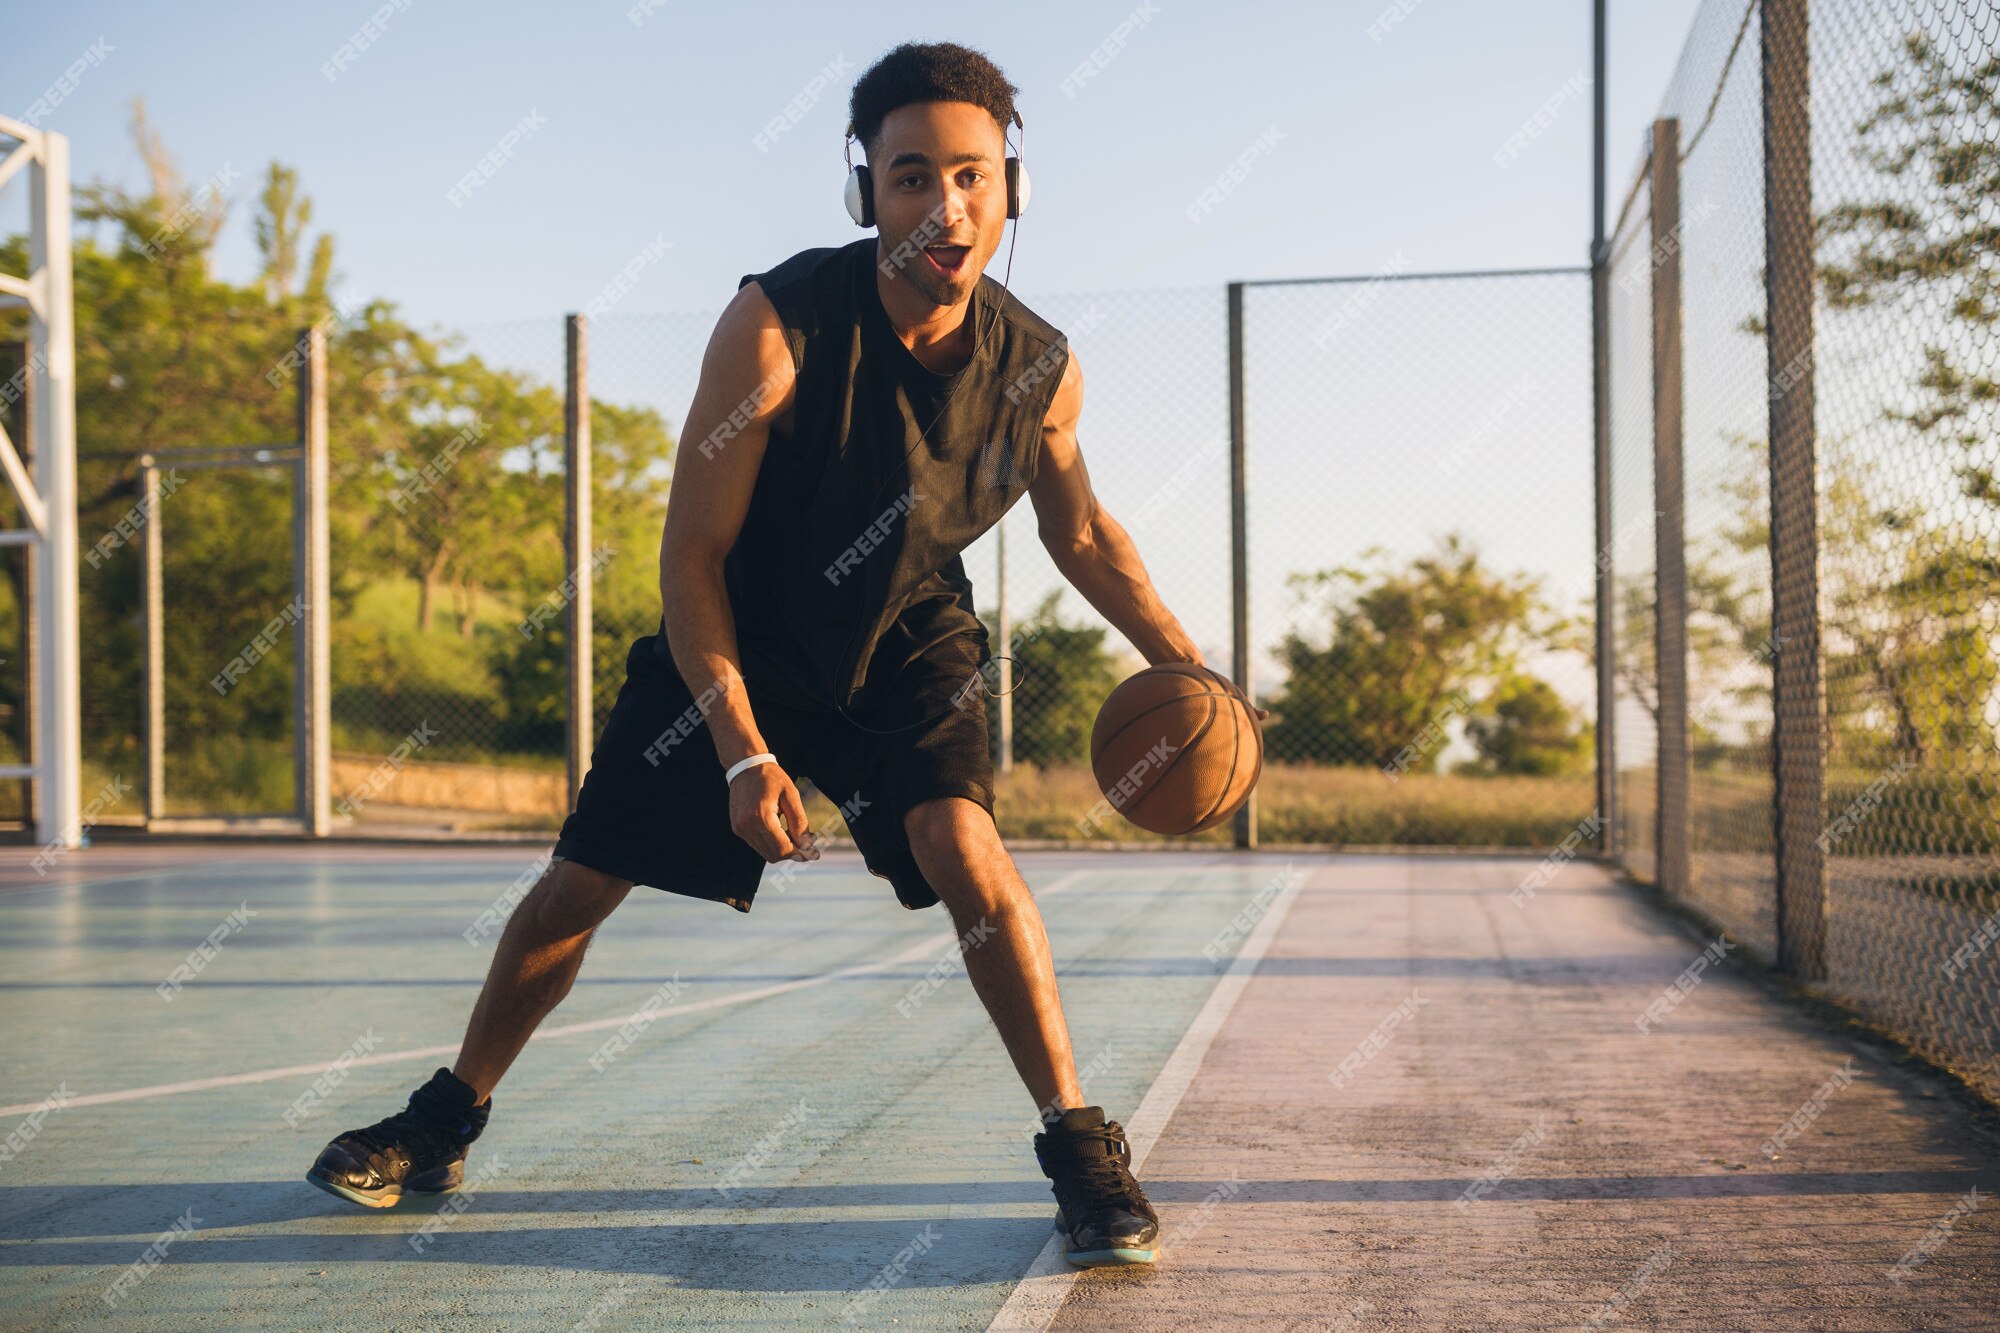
x: 751, y: 762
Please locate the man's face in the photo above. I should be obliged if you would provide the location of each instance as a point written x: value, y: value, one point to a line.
x: 940, y: 196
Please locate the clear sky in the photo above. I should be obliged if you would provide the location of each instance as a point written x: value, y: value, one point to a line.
x: 650, y: 130
x: 1367, y: 133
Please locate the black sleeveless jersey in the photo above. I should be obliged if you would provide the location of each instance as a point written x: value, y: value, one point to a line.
x: 848, y: 568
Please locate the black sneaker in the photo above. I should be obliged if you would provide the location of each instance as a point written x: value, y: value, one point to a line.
x: 1102, y: 1211
x: 420, y: 1148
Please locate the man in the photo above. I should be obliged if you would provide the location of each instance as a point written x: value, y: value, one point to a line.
x: 863, y: 414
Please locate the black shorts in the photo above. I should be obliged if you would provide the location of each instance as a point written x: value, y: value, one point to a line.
x: 654, y: 808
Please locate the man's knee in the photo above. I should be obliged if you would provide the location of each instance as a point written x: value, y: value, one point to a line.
x: 947, y: 827
x: 570, y: 899
x: 959, y: 851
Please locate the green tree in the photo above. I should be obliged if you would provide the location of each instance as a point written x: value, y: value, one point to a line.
x: 1525, y: 727
x: 1905, y: 616
x: 1931, y: 235
x: 629, y: 449
x: 279, y: 230
x: 1405, y: 647
x: 1728, y: 622
x: 169, y: 356
x: 1910, y: 580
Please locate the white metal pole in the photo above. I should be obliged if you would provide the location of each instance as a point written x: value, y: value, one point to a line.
x: 313, y: 577
x: 52, y: 331
x: 581, y: 725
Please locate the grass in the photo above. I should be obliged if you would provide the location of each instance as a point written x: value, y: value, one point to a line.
x: 1299, y: 802
x: 1332, y: 805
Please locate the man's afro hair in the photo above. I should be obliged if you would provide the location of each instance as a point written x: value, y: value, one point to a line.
x: 928, y: 72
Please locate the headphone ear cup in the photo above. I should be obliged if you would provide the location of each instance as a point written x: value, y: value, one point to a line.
x: 1017, y: 188
x: 860, y: 197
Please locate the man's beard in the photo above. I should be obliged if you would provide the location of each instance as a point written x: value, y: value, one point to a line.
x: 947, y: 291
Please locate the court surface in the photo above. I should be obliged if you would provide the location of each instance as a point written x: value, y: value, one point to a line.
x: 1371, y: 1091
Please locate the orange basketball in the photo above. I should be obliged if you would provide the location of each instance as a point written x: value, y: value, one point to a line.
x: 1176, y: 748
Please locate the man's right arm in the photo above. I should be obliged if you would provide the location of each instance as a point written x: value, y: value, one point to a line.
x: 747, y: 382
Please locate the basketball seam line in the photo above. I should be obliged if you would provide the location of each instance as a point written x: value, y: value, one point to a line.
x: 1235, y: 752
x: 1168, y: 767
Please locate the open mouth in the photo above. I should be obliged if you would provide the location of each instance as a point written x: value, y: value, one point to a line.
x: 948, y: 260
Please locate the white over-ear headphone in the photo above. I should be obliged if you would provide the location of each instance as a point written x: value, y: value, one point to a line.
x: 860, y: 194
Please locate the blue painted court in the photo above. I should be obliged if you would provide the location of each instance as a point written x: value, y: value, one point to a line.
x: 732, y: 1121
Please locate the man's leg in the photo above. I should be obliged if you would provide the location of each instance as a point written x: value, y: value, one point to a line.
x: 537, y: 959
x: 422, y: 1148
x: 959, y: 851
x: 1103, y: 1212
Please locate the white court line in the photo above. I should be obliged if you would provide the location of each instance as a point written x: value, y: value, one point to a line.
x: 922, y: 949
x: 45, y: 884
x: 1033, y: 1305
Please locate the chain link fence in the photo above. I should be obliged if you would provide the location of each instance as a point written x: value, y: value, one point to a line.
x: 1831, y: 279
x: 1155, y: 439
x: 1420, y: 577
x: 228, y: 682
x: 450, y: 701
x: 1714, y: 251
x: 646, y: 363
x: 211, y: 732
x: 1628, y: 554
x: 1344, y: 392
x: 449, y: 654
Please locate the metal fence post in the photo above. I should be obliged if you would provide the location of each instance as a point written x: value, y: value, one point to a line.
x: 1600, y: 397
x: 1244, y: 822
x: 152, y: 614
x: 1670, y: 531
x: 312, y: 761
x: 576, y: 538
x: 1798, y: 756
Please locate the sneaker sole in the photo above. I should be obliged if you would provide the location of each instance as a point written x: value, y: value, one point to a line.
x: 384, y: 1198
x: 443, y: 1180
x: 1110, y: 1258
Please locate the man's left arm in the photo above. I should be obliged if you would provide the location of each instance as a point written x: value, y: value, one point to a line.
x: 1090, y: 548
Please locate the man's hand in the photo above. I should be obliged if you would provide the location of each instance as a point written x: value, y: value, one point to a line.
x: 766, y: 812
x: 1192, y: 655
